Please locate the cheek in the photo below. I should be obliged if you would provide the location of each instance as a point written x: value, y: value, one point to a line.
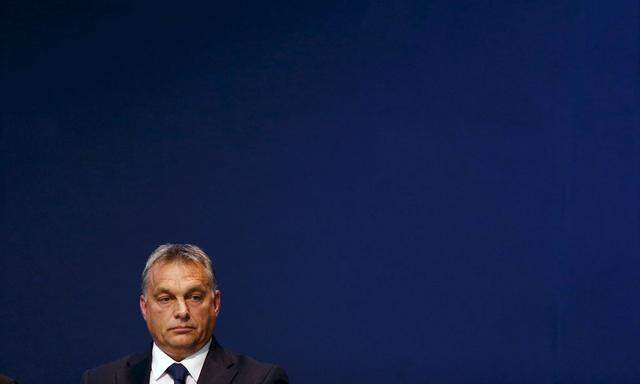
x: 204, y: 315
x: 157, y: 317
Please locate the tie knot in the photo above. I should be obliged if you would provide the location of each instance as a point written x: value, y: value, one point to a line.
x: 178, y: 372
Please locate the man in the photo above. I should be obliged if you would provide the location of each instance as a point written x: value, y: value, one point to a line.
x: 180, y: 303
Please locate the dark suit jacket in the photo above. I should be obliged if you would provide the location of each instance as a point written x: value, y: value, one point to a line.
x: 220, y: 367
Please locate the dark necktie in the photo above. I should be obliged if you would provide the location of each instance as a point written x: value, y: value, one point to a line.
x: 178, y: 372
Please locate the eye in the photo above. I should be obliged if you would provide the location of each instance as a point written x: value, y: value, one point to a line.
x: 196, y: 297
x: 164, y: 299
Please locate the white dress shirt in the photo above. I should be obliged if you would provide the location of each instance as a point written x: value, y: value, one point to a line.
x: 160, y: 361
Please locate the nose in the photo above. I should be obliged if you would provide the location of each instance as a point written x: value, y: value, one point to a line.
x: 181, y: 310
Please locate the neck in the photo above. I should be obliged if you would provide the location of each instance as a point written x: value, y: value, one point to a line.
x: 181, y: 354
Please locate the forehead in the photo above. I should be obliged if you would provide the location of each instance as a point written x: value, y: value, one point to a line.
x: 177, y: 274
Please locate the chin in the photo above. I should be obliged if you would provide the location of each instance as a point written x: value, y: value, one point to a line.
x: 181, y: 341
x: 185, y: 339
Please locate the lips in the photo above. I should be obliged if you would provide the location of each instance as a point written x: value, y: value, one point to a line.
x: 181, y: 329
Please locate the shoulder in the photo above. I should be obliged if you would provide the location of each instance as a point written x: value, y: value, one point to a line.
x: 254, y: 371
x: 106, y: 372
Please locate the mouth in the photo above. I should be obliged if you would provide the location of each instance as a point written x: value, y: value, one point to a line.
x: 181, y: 329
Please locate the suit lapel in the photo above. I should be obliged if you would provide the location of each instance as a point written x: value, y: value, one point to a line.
x: 137, y: 370
x: 219, y: 367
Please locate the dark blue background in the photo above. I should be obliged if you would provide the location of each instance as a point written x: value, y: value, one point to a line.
x: 428, y: 191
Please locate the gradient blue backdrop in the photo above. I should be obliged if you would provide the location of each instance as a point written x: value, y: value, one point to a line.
x: 392, y: 192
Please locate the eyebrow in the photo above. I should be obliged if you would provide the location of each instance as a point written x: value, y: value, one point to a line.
x: 160, y: 291
x: 198, y: 288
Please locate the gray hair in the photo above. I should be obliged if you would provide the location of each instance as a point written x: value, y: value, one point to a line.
x: 180, y: 253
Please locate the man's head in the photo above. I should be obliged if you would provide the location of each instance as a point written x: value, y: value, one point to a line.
x: 180, y: 301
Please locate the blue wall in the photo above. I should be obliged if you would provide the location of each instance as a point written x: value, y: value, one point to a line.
x: 434, y: 191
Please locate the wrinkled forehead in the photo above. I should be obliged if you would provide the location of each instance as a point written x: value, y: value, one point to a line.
x: 178, y: 273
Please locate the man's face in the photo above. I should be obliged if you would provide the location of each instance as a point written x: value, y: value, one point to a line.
x: 179, y: 307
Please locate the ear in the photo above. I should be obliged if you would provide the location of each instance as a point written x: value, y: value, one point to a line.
x: 217, y: 297
x: 143, y: 306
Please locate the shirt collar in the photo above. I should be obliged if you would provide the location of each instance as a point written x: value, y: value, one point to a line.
x: 160, y: 361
